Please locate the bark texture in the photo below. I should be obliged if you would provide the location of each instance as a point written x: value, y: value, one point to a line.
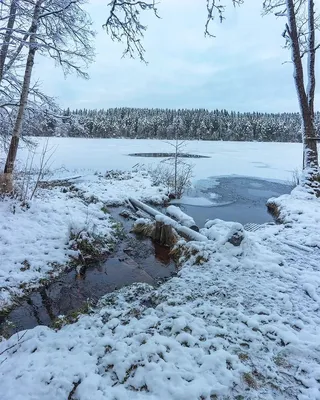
x: 7, y: 37
x: 12, y: 153
x: 306, y: 99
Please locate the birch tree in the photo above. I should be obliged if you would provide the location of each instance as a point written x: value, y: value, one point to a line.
x: 12, y: 153
x: 300, y: 35
x: 59, y: 29
x: 7, y: 36
x: 15, y: 17
x: 10, y: 82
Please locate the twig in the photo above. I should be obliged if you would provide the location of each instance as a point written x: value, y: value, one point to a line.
x: 16, y: 344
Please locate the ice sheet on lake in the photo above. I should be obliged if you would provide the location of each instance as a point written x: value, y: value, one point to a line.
x: 194, y: 201
x: 81, y: 155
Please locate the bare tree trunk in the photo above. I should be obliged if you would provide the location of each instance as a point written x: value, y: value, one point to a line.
x: 310, y: 142
x: 11, y: 157
x: 308, y: 130
x: 7, y: 37
x: 311, y: 58
x: 176, y: 166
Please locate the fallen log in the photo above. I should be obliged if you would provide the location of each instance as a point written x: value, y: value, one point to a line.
x: 182, y: 217
x: 182, y: 230
x: 58, y: 182
x: 136, y: 204
x: 164, y: 219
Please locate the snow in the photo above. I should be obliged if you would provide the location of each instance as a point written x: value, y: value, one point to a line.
x: 243, y: 322
x: 300, y: 209
x: 255, y: 159
x: 236, y: 322
x: 184, y: 230
x: 114, y: 192
x: 194, y: 201
x: 35, y: 239
x: 180, y: 216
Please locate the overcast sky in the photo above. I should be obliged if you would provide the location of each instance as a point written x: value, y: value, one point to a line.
x: 243, y: 68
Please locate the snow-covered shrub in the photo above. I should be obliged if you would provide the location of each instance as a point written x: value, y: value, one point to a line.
x: 176, y: 180
x: 28, y: 179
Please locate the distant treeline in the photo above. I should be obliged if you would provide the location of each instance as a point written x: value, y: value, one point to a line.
x: 200, y: 124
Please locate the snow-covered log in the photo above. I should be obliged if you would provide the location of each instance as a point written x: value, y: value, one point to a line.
x: 180, y: 216
x: 159, y: 216
x: 183, y: 230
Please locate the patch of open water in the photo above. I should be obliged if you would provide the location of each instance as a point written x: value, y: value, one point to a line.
x: 240, y: 199
x: 137, y: 259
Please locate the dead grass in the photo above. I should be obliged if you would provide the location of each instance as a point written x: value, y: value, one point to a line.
x: 249, y: 380
x: 243, y: 356
x: 182, y: 253
x: 274, y: 210
x: 145, y: 229
x: 92, y: 248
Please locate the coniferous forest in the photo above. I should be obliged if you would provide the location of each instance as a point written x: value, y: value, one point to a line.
x: 199, y: 124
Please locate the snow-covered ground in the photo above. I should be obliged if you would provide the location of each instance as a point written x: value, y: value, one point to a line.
x: 263, y: 160
x: 35, y: 239
x: 237, y: 323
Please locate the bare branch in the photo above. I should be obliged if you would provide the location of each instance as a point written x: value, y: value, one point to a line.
x: 215, y: 10
x: 124, y: 25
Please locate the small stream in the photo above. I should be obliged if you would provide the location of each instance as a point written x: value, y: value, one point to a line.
x: 136, y: 259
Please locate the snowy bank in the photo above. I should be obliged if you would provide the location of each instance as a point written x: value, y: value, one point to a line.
x: 35, y: 238
x: 243, y: 324
x: 301, y: 212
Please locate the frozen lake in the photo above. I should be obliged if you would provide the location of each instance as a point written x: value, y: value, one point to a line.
x: 274, y: 161
x: 247, y: 173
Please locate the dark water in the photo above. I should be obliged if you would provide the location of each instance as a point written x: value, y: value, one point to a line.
x: 136, y: 259
x: 238, y: 199
x: 164, y: 155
